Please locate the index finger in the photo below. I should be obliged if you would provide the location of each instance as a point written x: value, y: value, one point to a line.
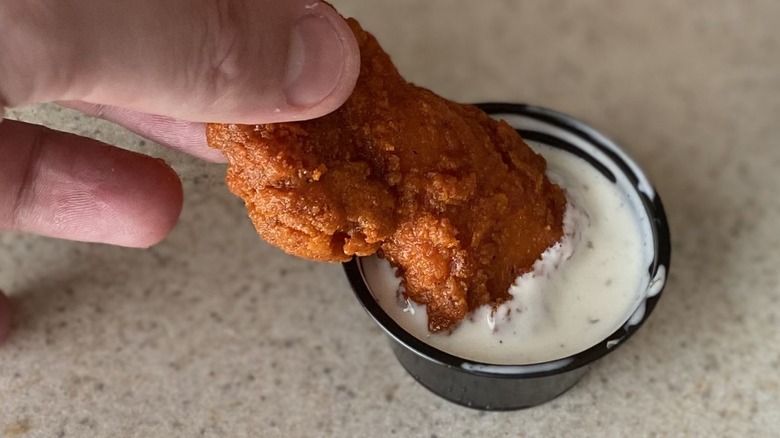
x: 184, y: 136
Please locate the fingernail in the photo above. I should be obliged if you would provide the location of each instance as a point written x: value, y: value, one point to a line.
x: 315, y: 61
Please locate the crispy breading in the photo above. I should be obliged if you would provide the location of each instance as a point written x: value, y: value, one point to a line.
x: 452, y: 198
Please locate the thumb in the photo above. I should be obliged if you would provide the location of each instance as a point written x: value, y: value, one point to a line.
x: 234, y: 61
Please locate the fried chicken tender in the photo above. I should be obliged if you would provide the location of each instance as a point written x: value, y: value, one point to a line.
x: 453, y: 199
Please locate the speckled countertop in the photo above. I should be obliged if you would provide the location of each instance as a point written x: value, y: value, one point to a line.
x: 214, y: 333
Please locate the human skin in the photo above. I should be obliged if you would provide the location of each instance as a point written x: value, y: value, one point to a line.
x: 160, y: 69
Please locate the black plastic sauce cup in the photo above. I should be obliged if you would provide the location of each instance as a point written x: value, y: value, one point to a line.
x: 506, y: 387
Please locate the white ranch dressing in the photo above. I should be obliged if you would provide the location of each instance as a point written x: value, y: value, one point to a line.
x: 581, y: 290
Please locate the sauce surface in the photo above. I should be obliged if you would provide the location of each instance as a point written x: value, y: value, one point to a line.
x: 580, y: 291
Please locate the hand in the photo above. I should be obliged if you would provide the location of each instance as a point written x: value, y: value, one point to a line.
x: 161, y: 69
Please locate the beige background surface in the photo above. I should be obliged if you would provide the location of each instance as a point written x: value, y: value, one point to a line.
x: 214, y: 333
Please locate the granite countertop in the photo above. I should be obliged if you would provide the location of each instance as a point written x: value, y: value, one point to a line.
x: 214, y: 333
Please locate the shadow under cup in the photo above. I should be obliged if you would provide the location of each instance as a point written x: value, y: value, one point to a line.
x: 506, y: 387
